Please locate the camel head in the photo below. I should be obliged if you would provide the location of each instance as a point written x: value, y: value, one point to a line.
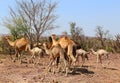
x: 7, y: 37
x: 53, y: 36
x: 92, y: 52
x: 45, y: 44
x: 37, y: 44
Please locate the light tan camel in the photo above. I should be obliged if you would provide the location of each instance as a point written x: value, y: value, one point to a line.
x: 83, y: 54
x: 36, y: 52
x: 65, y: 43
x: 54, y: 52
x: 99, y: 53
x: 19, y: 45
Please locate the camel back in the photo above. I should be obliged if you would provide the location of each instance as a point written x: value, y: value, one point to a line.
x: 65, y: 41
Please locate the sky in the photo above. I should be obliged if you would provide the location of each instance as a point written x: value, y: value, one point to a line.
x: 87, y: 14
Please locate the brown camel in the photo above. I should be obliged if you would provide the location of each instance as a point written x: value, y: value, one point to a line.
x: 54, y: 52
x: 65, y: 43
x: 19, y: 45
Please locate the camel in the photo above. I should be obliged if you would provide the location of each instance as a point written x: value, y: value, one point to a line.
x: 65, y: 43
x: 54, y: 52
x: 99, y: 53
x: 19, y: 45
x: 36, y: 52
x: 83, y: 54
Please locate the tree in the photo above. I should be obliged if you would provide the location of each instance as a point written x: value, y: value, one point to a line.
x: 72, y: 29
x: 78, y: 36
x: 117, y: 42
x: 76, y: 32
x: 101, y: 35
x: 17, y: 27
x: 38, y: 16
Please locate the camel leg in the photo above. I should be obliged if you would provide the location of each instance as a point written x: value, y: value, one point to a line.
x: 19, y: 57
x: 100, y: 59
x: 97, y: 58
x: 86, y: 56
x: 50, y: 64
x: 32, y: 57
x: 39, y: 57
x: 107, y: 58
x: 70, y: 53
x: 65, y: 66
x: 83, y: 60
x: 57, y: 61
x: 97, y: 61
x: 16, y: 56
x: 72, y: 57
x: 10, y: 55
x: 77, y: 59
x: 64, y: 61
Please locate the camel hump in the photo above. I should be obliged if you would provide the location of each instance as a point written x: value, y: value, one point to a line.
x: 102, y: 51
x: 24, y: 39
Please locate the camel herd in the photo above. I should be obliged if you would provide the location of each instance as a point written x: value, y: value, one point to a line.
x: 60, y: 51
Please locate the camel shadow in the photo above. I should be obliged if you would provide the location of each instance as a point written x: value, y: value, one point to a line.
x: 77, y: 71
x: 110, y: 68
x: 103, y: 67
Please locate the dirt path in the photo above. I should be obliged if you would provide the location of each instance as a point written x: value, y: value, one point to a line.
x: 28, y: 73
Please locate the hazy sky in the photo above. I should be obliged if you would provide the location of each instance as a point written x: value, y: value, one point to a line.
x: 86, y: 13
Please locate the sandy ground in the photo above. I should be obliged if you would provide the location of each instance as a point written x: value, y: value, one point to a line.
x: 11, y: 72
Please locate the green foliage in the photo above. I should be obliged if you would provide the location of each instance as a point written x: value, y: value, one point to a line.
x: 102, y: 35
x: 17, y: 27
x: 76, y: 32
x: 109, y: 49
x: 4, y: 47
x: 72, y: 29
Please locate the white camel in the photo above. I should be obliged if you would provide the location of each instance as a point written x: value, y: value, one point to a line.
x: 55, y: 52
x: 36, y: 52
x: 99, y: 53
x: 83, y: 54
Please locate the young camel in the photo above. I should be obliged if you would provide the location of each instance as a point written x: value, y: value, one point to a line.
x: 65, y: 43
x: 19, y: 45
x: 36, y: 52
x: 54, y: 52
x: 83, y: 54
x: 99, y: 53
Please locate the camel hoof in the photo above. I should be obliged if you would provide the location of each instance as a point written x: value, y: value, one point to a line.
x: 66, y: 75
x: 49, y: 70
x: 53, y: 72
x: 13, y: 60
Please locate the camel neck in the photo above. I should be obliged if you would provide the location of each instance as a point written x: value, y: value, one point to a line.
x: 47, y: 50
x: 54, y: 42
x: 93, y: 52
x: 10, y: 42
